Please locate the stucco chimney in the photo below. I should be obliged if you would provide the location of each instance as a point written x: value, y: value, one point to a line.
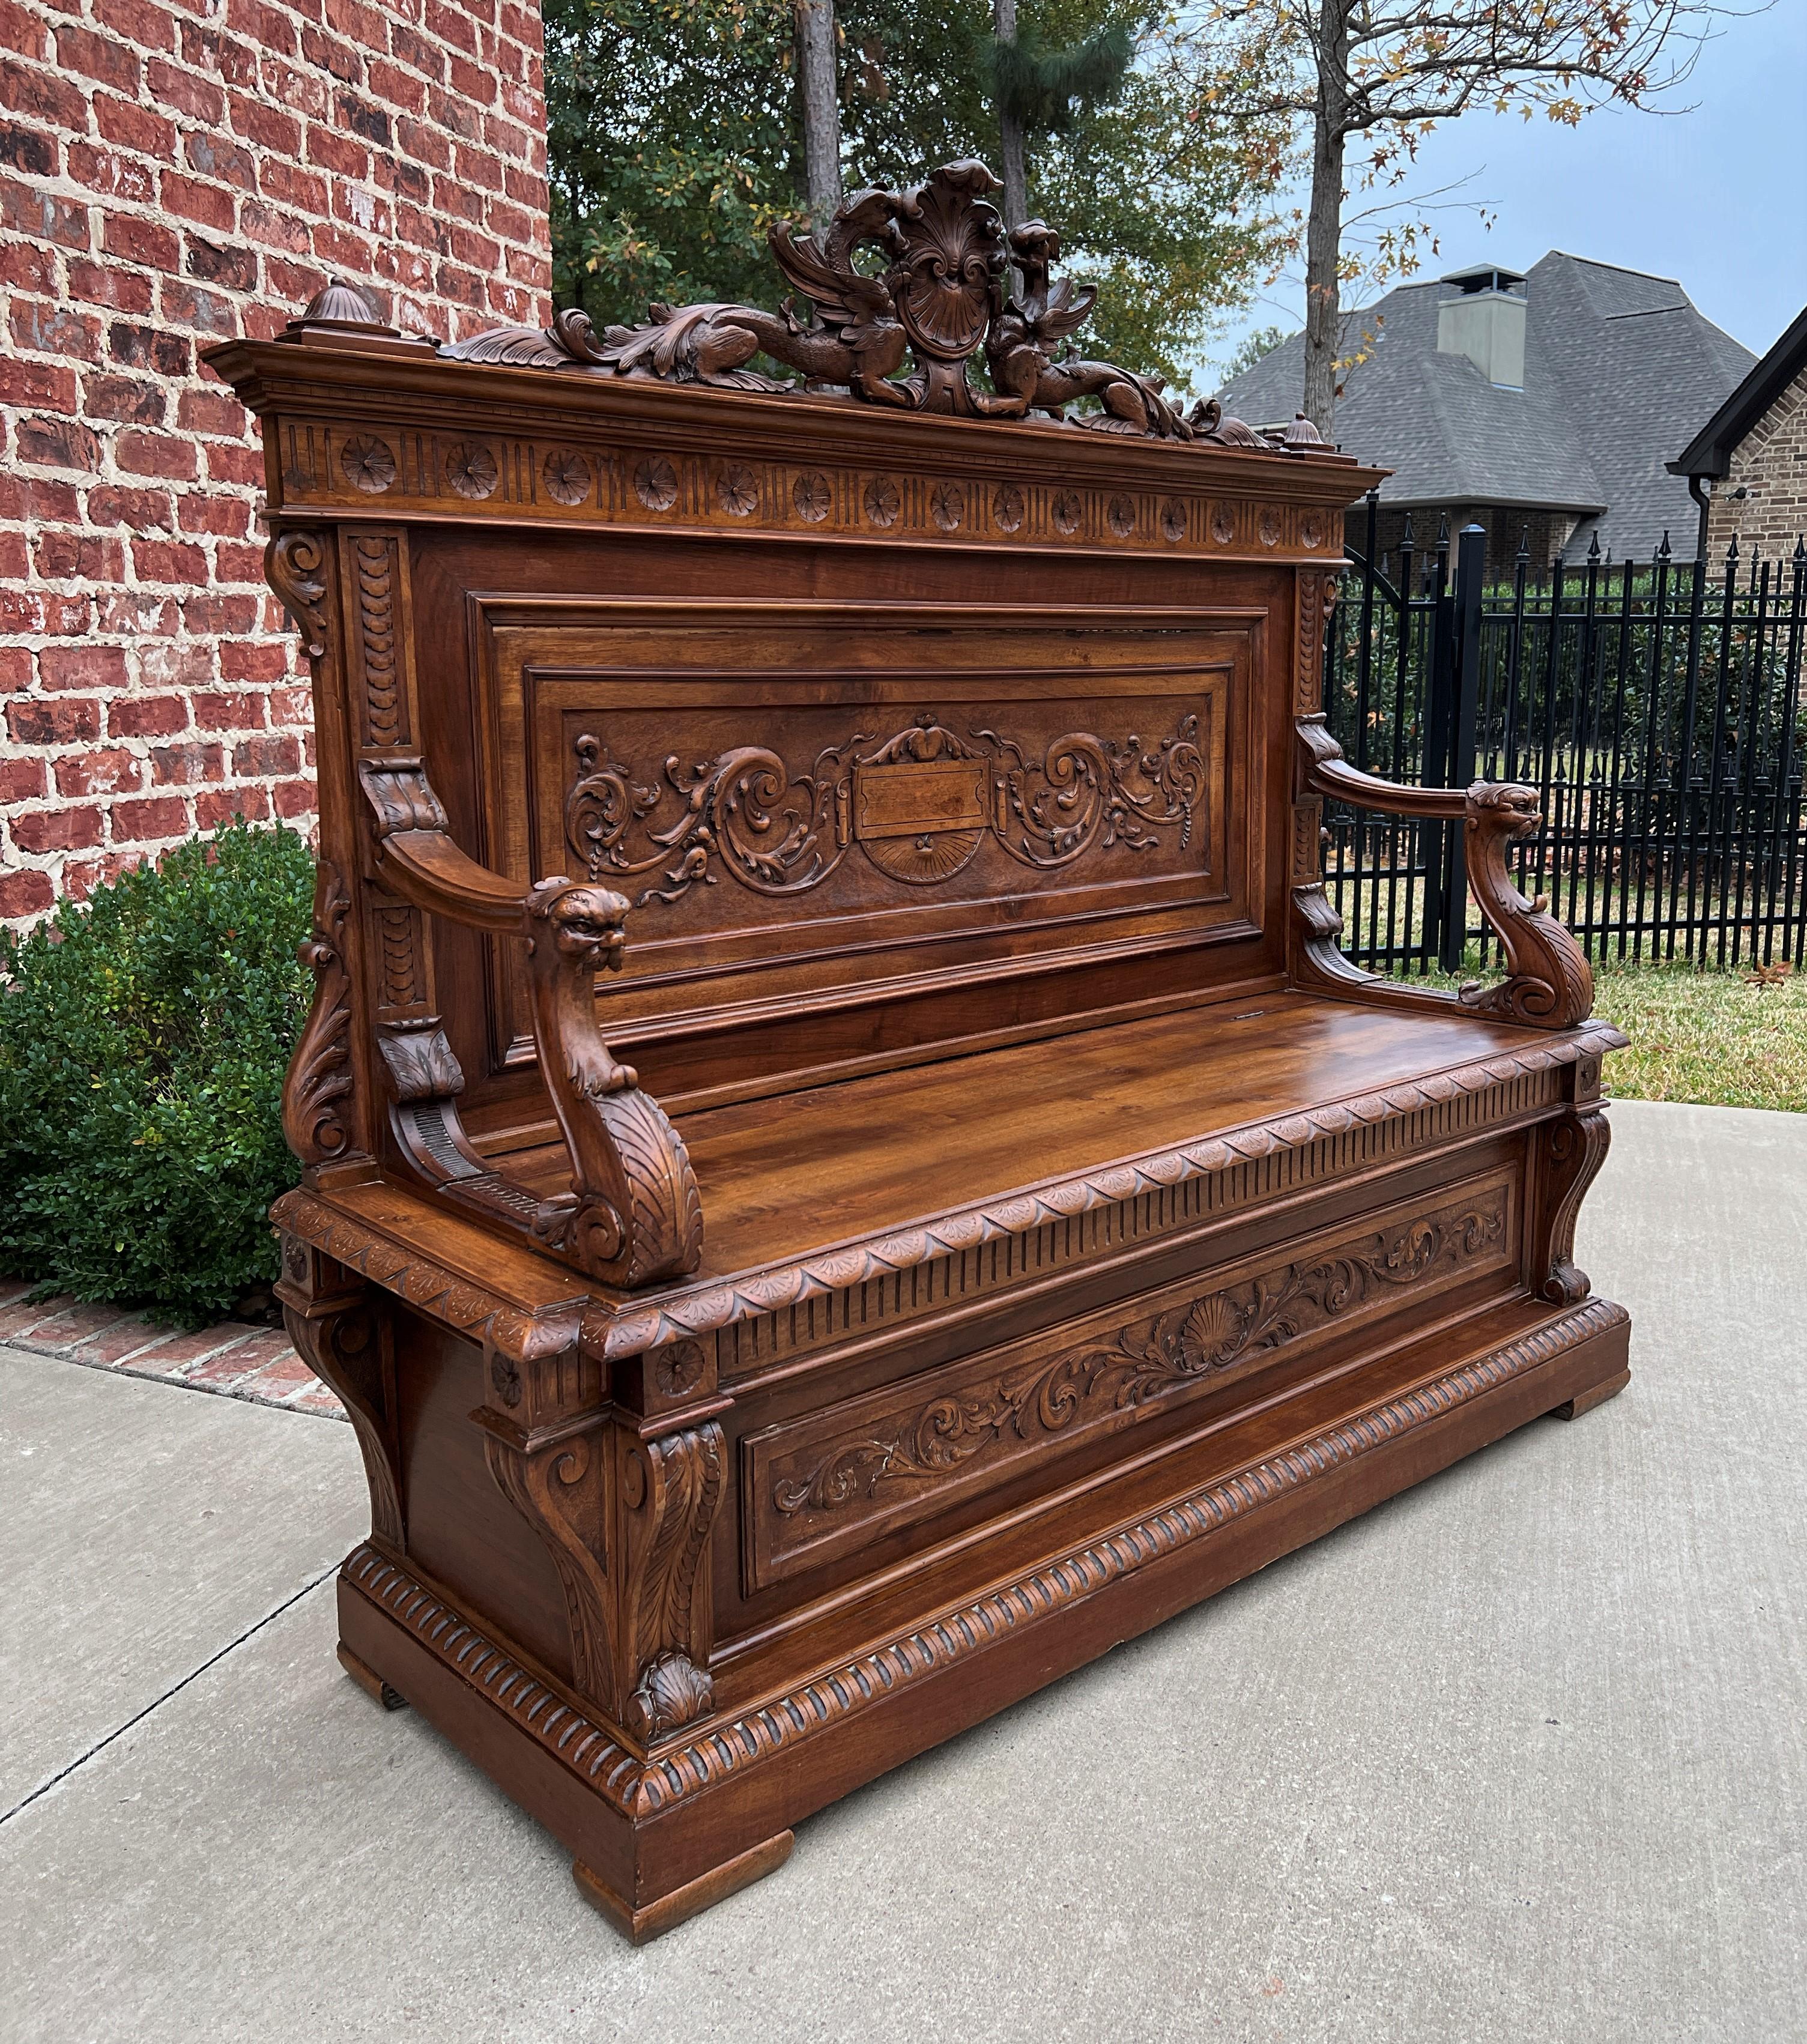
x: 1481, y: 316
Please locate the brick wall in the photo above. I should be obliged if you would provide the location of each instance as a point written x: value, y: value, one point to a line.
x: 171, y: 175
x: 1769, y: 465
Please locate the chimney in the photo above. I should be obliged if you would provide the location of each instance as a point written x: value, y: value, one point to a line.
x: 1481, y: 316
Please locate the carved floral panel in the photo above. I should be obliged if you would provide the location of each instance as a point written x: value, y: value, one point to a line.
x: 839, y: 1479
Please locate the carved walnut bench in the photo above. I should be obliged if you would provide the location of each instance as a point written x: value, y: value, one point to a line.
x: 844, y: 1170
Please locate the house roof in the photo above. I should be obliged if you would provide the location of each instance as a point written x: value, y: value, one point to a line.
x: 1709, y: 452
x: 1617, y: 365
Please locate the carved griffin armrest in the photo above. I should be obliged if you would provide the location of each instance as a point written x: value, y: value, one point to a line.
x: 1549, y: 984
x: 632, y: 1214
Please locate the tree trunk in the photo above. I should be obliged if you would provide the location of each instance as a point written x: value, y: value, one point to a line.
x: 1323, y: 220
x: 1010, y: 129
x: 821, y: 107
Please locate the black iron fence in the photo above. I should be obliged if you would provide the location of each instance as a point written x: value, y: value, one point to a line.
x: 1657, y: 708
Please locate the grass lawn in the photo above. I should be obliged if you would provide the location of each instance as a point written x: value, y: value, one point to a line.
x: 1708, y: 1036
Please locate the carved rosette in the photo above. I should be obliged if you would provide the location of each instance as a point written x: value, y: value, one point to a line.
x: 316, y: 1093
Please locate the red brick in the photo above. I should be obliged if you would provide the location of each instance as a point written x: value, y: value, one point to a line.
x: 168, y: 561
x: 99, y: 774
x: 83, y: 668
x: 67, y: 721
x: 200, y: 512
x: 265, y: 758
x: 272, y: 130
x: 143, y: 822
x: 241, y: 465
x: 293, y: 800
x: 117, y: 176
x: 109, y: 284
x: 23, y: 894
x: 24, y: 209
x: 214, y: 806
x: 65, y: 555
x: 56, y: 830
x: 186, y: 765
x: 37, y: 383
x: 156, y: 454
x: 129, y: 399
x: 57, y: 444
x: 21, y: 780
x: 149, y: 348
x: 212, y: 206
x: 220, y: 711
x: 53, y: 329
x: 144, y: 716
x: 28, y: 149
x: 145, y: 241
x: 28, y: 89
x: 252, y: 662
x: 183, y: 663
x: 30, y: 265
x: 135, y: 127
x: 142, y: 510
x: 18, y: 669
x: 22, y: 32
x: 229, y: 265
x: 102, y: 58
x: 177, y: 86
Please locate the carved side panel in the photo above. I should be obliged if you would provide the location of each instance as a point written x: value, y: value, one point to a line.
x: 669, y: 1488
x: 317, y: 1093
x: 832, y: 1482
x: 340, y: 1326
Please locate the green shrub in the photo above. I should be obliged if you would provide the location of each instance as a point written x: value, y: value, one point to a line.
x: 143, y: 1040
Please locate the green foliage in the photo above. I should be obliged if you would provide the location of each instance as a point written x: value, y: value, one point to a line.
x: 143, y: 1041
x: 675, y: 139
x: 1253, y: 348
x: 1051, y: 89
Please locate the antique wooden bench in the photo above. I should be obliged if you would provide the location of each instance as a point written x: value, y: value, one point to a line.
x: 844, y: 1170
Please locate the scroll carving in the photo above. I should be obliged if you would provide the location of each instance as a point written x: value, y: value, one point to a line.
x: 1186, y: 1345
x: 319, y: 1084
x: 342, y: 1335
x: 919, y: 806
x: 1575, y: 1148
x: 294, y: 565
x: 632, y: 1213
x: 937, y: 295
x: 671, y: 1486
x: 559, y: 1491
x: 1549, y: 984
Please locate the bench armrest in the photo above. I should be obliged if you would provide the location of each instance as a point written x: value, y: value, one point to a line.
x: 632, y: 1214
x: 1549, y: 984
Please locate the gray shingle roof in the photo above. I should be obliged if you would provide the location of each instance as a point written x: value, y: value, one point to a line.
x: 1619, y: 368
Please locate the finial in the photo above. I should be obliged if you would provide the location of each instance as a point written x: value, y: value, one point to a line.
x: 339, y: 308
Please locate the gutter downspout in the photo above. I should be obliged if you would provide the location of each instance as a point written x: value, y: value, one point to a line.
x: 1704, y: 498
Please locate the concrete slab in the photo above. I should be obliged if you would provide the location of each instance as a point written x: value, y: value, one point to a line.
x: 1518, y: 1757
x: 142, y: 1529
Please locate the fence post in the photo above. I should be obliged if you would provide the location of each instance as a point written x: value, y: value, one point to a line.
x: 1470, y: 578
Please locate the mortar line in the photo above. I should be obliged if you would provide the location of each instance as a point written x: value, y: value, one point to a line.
x: 175, y: 1688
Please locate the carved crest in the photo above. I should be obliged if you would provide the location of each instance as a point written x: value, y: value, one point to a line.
x: 919, y: 806
x: 937, y: 292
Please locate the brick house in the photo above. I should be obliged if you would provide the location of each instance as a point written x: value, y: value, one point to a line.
x: 170, y: 175
x: 1747, y: 467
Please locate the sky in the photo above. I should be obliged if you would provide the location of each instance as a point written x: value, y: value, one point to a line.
x: 1715, y: 196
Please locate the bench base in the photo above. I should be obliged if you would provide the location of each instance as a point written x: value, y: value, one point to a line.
x: 658, y: 1836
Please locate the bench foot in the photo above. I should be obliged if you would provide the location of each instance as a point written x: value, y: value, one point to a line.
x: 371, y: 1683
x: 642, y: 1926
x: 1584, y: 1401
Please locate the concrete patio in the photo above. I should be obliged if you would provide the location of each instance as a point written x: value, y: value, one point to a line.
x: 1519, y: 1756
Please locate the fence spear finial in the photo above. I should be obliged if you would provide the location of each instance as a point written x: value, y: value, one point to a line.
x: 1662, y: 551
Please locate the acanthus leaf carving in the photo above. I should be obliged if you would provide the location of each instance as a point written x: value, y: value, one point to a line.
x: 294, y: 565
x: 919, y: 805
x: 319, y: 1082
x: 559, y: 1492
x: 1184, y: 1345
x: 939, y: 296
x: 672, y: 1485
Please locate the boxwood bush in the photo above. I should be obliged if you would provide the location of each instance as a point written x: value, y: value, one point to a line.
x: 143, y: 1040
